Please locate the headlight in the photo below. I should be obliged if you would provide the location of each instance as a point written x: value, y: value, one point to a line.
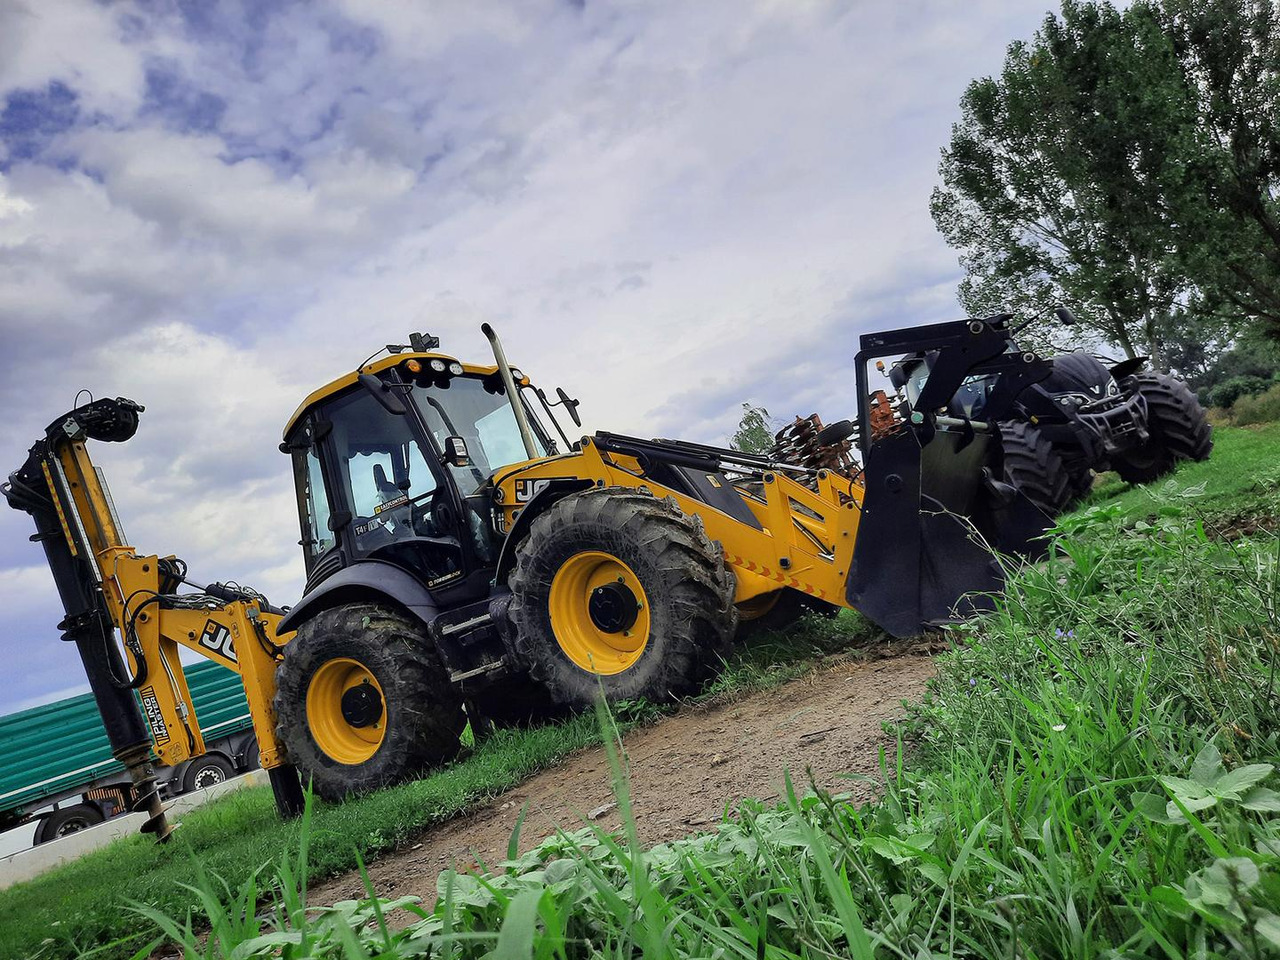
x: 455, y: 368
x: 1113, y: 388
x: 438, y: 366
x: 516, y: 374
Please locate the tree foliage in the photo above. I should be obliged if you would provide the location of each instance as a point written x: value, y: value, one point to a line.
x: 755, y: 431
x: 1125, y: 163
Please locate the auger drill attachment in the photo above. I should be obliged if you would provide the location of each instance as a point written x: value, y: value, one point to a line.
x: 61, y: 532
x: 108, y: 591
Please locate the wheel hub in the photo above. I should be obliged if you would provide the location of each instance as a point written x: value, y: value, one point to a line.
x: 361, y: 705
x: 346, y: 711
x: 613, y: 607
x: 599, y: 612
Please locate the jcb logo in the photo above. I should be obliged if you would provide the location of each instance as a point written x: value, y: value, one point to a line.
x: 217, y: 637
x: 526, y: 490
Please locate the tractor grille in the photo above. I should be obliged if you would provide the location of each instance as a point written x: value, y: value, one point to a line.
x: 1119, y: 422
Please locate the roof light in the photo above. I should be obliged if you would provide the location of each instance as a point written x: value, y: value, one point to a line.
x: 455, y: 368
x: 515, y: 372
x: 438, y: 366
x: 413, y: 366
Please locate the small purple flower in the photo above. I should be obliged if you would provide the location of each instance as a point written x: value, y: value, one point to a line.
x: 1057, y: 632
x: 973, y: 682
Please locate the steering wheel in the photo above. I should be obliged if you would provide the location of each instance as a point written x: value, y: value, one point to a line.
x: 437, y: 518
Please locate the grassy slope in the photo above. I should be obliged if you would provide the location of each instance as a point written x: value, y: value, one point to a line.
x: 235, y: 835
x: 1240, y: 479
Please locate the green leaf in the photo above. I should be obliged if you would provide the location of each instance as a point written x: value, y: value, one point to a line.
x: 1192, y: 806
x: 1262, y: 799
x: 1152, y: 806
x: 1207, y: 766
x: 892, y: 850
x: 1232, y: 785
x: 1268, y: 927
x: 519, y: 927
x: 1186, y: 789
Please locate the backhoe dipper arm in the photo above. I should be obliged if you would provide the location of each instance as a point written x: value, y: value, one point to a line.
x: 105, y: 587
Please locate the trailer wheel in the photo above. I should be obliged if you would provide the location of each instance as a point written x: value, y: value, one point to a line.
x: 363, y: 701
x: 206, y: 771
x: 68, y: 820
x: 619, y: 591
x: 1177, y: 424
x: 1033, y: 466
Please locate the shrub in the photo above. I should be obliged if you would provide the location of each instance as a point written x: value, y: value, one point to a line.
x: 1264, y: 408
x: 1229, y: 391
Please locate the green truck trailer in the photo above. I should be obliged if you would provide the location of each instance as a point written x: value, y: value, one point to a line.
x: 56, y: 765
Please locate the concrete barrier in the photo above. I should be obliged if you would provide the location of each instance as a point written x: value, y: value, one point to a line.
x: 26, y: 864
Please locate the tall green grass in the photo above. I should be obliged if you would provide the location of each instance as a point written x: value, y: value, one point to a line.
x: 1091, y: 775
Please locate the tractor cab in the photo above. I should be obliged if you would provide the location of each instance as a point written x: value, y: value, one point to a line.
x: 395, y: 463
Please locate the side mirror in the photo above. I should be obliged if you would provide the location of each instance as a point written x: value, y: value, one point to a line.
x: 455, y: 452
x: 1065, y: 316
x: 570, y: 405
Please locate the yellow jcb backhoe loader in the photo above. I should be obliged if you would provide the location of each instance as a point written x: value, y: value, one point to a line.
x: 466, y: 564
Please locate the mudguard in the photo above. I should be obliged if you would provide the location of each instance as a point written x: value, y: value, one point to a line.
x: 364, y: 580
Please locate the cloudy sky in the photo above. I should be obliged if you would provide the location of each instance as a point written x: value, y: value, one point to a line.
x: 668, y: 208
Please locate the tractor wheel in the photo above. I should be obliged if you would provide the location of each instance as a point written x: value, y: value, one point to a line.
x: 364, y: 701
x: 616, y: 590
x: 1178, y: 426
x: 1033, y: 466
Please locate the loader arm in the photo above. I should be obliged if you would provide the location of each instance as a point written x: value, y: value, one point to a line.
x: 117, y: 598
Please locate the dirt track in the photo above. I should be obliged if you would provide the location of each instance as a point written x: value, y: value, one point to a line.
x: 684, y: 770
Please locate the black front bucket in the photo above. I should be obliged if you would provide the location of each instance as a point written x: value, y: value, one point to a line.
x: 930, y: 521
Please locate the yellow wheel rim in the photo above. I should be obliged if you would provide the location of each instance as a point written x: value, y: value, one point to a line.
x: 599, y: 613
x: 345, y: 741
x: 758, y: 606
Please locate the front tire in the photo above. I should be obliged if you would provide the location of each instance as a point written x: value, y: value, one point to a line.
x: 363, y: 701
x: 1178, y: 428
x: 1033, y: 466
x: 616, y: 590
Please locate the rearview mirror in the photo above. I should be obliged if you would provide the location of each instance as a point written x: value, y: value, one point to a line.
x: 570, y: 405
x: 1065, y: 316
x: 455, y: 452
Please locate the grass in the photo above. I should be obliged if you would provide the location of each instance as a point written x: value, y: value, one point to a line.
x: 1240, y: 481
x: 233, y: 836
x: 1093, y: 774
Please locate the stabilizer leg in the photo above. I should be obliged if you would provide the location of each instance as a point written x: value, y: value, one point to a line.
x: 287, y: 787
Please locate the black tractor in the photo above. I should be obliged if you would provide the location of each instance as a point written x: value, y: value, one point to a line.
x: 1090, y: 414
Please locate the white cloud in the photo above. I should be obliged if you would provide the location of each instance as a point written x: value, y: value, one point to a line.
x: 667, y: 208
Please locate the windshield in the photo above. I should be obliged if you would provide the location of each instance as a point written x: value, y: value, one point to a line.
x: 475, y: 409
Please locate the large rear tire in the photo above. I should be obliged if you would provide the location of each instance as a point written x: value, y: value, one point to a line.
x: 1033, y: 466
x: 618, y: 591
x: 363, y: 701
x: 1178, y: 427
